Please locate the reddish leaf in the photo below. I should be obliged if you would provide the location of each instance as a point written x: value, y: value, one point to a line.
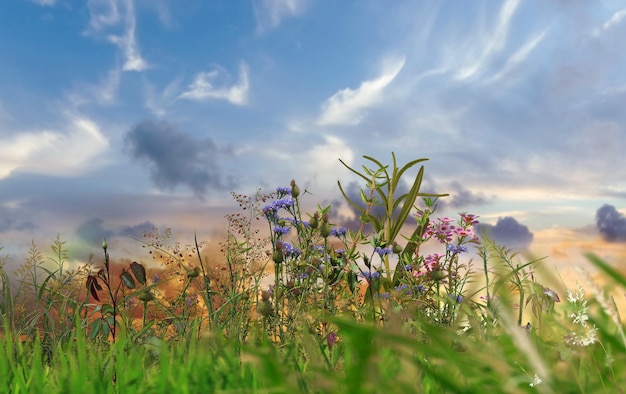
x: 91, y: 286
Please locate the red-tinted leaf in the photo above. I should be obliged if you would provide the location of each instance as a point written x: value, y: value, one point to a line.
x: 139, y: 271
x: 128, y: 280
x: 91, y: 286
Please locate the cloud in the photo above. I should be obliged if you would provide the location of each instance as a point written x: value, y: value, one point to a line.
x: 270, y: 13
x: 507, y: 232
x: 177, y: 158
x: 203, y: 88
x: 462, y: 197
x: 92, y: 231
x: 346, y: 106
x: 611, y: 224
x: 11, y: 224
x: 138, y: 231
x: 53, y: 152
x: 494, y: 43
x: 109, y: 14
x: 615, y: 20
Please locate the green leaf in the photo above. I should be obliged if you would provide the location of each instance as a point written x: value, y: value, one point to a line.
x: 127, y: 279
x: 139, y: 271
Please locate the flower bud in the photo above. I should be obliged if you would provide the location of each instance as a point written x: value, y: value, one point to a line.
x: 437, y: 275
x: 264, y: 308
x: 193, y: 273
x: 314, y: 220
x: 104, y: 244
x: 396, y: 249
x: 278, y: 256
x: 325, y: 229
x: 295, y: 190
x: 146, y: 296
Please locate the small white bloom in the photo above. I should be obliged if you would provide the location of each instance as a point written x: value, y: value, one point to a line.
x: 536, y: 381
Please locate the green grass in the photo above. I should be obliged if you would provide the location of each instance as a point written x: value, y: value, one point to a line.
x: 348, y: 311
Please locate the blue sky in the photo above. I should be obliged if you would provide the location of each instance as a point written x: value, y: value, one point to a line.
x: 119, y: 114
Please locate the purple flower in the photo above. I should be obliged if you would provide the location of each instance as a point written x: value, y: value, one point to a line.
x: 408, y: 268
x: 281, y: 230
x: 370, y: 275
x: 457, y: 298
x: 283, y: 191
x: 339, y: 232
x: 382, y: 251
x: 290, y: 250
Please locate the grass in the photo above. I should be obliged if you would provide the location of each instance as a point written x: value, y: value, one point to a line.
x: 361, y: 310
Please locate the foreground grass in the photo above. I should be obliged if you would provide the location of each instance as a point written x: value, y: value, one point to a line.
x: 355, y: 311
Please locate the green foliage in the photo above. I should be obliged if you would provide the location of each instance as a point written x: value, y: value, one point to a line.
x: 343, y: 310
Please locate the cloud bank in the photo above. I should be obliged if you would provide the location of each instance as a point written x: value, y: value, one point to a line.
x: 611, y: 224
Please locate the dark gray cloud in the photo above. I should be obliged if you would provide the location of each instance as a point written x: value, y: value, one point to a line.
x: 461, y: 197
x: 507, y: 232
x: 137, y: 231
x: 8, y: 223
x: 177, y: 158
x: 611, y: 224
x: 92, y: 231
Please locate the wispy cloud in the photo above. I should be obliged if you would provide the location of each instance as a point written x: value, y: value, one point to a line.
x: 53, y: 152
x: 270, y: 13
x: 346, y: 106
x: 615, y: 20
x: 108, y: 14
x: 494, y: 42
x: 203, y: 87
x: 518, y: 57
x: 158, y: 102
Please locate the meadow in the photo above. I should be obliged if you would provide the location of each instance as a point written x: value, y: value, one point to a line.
x: 303, y: 304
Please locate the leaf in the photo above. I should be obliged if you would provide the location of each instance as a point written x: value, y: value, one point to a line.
x: 127, y: 279
x: 139, y: 271
x: 91, y: 287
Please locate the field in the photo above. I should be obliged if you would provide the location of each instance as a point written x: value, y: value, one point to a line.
x: 307, y: 305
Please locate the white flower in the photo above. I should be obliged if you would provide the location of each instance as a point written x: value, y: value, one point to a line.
x: 536, y: 381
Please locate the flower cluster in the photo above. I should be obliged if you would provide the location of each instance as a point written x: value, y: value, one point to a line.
x: 587, y: 334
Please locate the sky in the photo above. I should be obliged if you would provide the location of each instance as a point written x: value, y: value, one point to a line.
x: 120, y: 115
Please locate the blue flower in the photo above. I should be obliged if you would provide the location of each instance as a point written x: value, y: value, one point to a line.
x: 290, y: 250
x: 382, y: 251
x: 370, y: 275
x: 457, y: 298
x: 408, y: 268
x: 281, y: 230
x: 283, y: 191
x: 339, y: 232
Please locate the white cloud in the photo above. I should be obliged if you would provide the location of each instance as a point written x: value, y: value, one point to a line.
x: 347, y: 105
x: 519, y: 56
x: 107, y: 14
x: 53, y: 152
x: 494, y: 43
x: 203, y: 87
x: 270, y: 13
x: 615, y: 19
x: 157, y: 102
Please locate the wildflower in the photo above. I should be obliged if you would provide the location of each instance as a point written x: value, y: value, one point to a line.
x: 408, y: 268
x: 283, y: 191
x: 552, y: 294
x: 468, y: 219
x: 382, y: 251
x: 370, y: 275
x: 290, y: 250
x: 281, y: 230
x: 191, y: 300
x: 156, y: 278
x: 456, y: 298
x: 331, y: 339
x: 536, y: 381
x: 339, y: 232
x: 340, y: 251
